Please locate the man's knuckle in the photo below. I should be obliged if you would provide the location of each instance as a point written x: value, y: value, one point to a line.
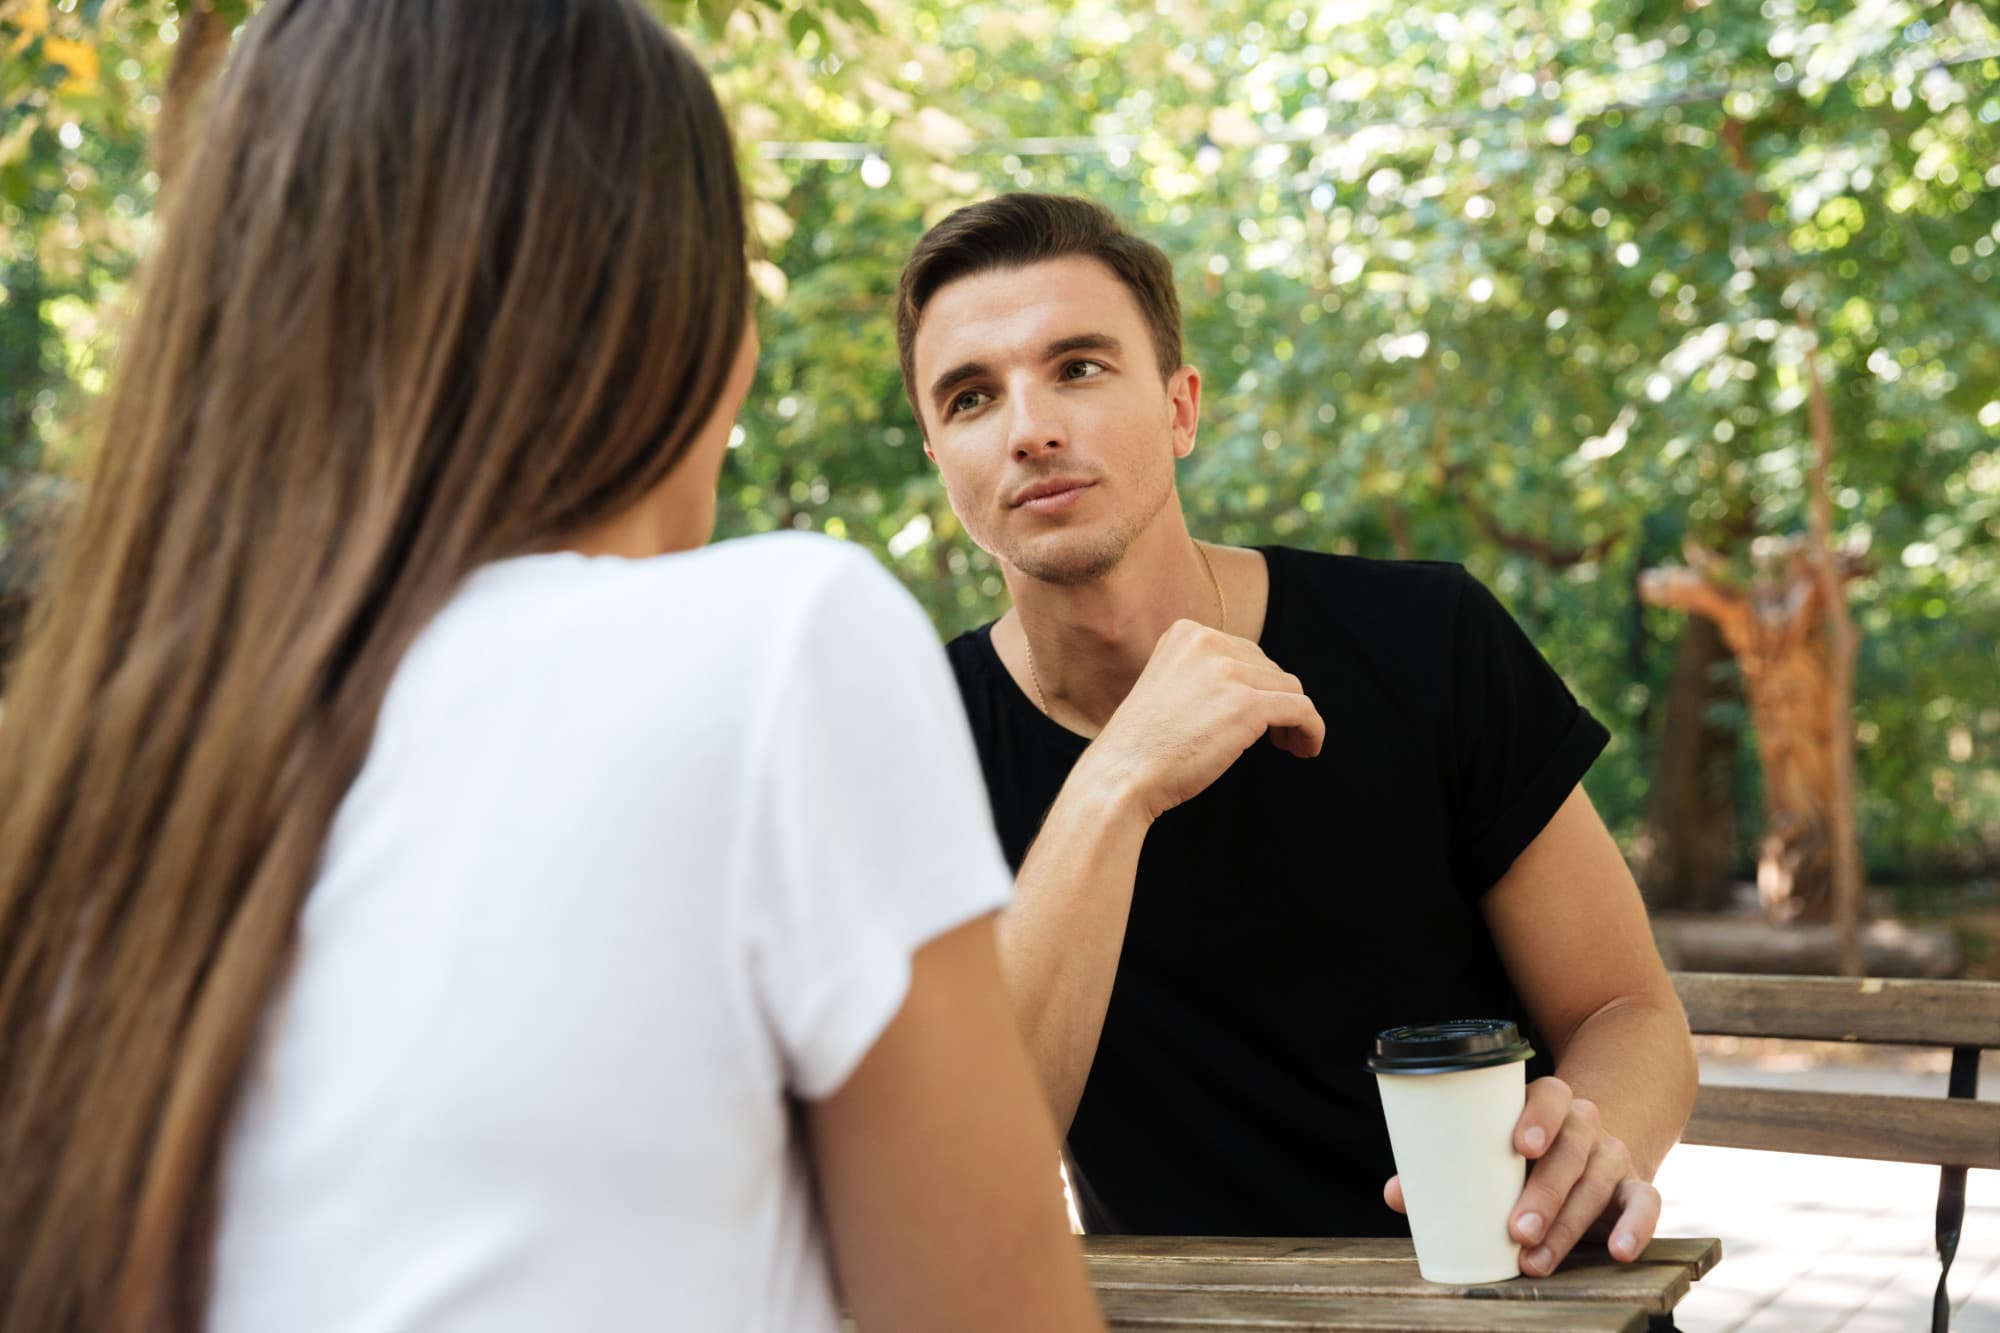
x: 1562, y: 1238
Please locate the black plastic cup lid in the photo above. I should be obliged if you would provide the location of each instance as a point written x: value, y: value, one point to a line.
x: 1448, y: 1047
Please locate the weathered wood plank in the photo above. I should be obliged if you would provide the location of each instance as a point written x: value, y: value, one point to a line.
x: 1804, y: 949
x: 1871, y: 1009
x: 1932, y: 1130
x: 1698, y: 1254
x: 1184, y: 1311
x: 1656, y: 1288
x: 1252, y: 1249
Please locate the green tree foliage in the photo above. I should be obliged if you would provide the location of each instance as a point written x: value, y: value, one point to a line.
x: 78, y: 94
x: 1523, y: 284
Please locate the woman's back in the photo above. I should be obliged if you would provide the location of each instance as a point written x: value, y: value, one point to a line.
x: 640, y: 852
x: 400, y: 931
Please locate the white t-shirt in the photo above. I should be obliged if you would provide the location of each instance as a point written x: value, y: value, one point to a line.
x: 641, y: 851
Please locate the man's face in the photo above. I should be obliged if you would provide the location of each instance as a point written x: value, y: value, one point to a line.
x: 1044, y: 410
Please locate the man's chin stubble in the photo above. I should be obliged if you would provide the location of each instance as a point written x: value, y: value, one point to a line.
x: 1074, y: 568
x: 1071, y: 568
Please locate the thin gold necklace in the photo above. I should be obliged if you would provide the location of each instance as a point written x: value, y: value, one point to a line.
x: 1221, y: 616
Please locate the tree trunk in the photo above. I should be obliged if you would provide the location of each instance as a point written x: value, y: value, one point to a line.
x: 1790, y: 691
x: 1837, y: 857
x: 1844, y: 849
x: 1778, y: 632
x: 1690, y: 840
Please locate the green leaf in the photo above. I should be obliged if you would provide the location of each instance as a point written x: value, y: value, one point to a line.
x: 858, y: 12
x: 805, y: 27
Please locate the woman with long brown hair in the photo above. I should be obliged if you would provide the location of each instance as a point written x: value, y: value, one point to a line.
x: 433, y: 894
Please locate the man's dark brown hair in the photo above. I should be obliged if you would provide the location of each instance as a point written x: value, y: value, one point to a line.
x: 1015, y: 230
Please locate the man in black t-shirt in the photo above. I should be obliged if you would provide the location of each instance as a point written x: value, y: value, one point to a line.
x: 1209, y: 930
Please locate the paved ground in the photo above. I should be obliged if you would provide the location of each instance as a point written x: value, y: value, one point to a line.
x: 1819, y: 1244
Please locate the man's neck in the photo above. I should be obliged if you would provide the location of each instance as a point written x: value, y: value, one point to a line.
x: 1085, y: 644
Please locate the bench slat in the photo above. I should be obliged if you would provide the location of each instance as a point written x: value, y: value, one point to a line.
x: 1932, y: 1130
x: 1873, y: 1009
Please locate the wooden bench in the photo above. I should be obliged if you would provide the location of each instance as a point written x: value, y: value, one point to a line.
x: 1953, y: 1132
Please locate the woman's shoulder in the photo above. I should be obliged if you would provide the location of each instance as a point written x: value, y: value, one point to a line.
x: 746, y: 605
x: 798, y: 583
x: 789, y: 566
x: 744, y: 582
x: 779, y: 554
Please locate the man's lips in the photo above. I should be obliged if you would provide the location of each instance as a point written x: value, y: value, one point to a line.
x: 1051, y: 493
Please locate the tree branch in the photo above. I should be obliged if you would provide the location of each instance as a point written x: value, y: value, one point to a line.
x: 1692, y: 590
x: 1549, y: 553
x: 1755, y: 205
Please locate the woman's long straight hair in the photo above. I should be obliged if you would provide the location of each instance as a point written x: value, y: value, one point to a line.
x: 442, y: 281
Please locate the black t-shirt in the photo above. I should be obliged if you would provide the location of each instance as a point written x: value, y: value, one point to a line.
x: 1299, y: 906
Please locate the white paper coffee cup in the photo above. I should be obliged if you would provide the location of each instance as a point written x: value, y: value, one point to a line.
x: 1452, y: 1093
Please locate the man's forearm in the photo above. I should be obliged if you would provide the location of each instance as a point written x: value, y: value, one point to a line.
x: 1634, y: 1059
x: 1203, y: 699
x: 1061, y: 939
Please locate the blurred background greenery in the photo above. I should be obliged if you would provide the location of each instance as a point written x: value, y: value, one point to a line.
x: 1526, y: 284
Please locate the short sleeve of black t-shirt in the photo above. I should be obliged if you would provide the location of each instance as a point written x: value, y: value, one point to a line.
x: 1297, y: 907
x: 1519, y: 741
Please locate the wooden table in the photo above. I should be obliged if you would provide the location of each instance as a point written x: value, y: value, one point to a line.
x: 1192, y: 1282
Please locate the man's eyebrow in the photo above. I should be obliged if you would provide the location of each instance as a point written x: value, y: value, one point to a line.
x: 957, y: 375
x: 1083, y: 342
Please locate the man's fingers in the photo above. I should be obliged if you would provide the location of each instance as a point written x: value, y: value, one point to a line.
x: 1638, y: 1207
x: 1392, y: 1194
x: 1542, y: 1117
x: 1551, y: 1181
x: 1203, y: 699
x: 1278, y: 696
x: 1285, y: 708
x: 1587, y: 1200
x: 1298, y: 741
x: 1293, y: 724
x: 1193, y: 636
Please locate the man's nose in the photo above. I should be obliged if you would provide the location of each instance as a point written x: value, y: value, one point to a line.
x: 1035, y: 426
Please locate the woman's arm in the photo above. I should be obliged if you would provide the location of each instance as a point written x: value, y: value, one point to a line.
x: 936, y: 1163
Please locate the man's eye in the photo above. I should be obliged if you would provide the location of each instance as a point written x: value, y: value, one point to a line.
x: 1082, y: 370
x: 965, y: 402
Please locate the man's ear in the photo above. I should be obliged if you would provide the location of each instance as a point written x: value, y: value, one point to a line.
x: 1184, y: 408
x: 923, y: 428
